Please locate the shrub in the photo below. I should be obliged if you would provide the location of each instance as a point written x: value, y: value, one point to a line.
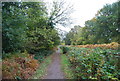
x: 94, y: 63
x: 42, y: 54
x: 113, y: 45
x: 20, y: 66
x: 64, y: 49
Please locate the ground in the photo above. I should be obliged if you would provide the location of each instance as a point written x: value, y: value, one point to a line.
x: 54, y: 69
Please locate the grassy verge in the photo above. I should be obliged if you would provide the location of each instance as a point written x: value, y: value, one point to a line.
x: 66, y: 67
x: 41, y: 71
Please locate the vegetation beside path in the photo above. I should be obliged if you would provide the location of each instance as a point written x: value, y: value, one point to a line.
x: 32, y: 30
x: 65, y: 66
x: 91, y: 63
x: 41, y: 71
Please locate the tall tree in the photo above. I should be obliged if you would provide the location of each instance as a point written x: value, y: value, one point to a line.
x: 60, y: 14
x: 13, y: 26
x: 103, y: 28
x: 25, y: 27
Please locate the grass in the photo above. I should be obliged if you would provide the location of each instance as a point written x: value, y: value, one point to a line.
x: 65, y: 64
x: 41, y: 71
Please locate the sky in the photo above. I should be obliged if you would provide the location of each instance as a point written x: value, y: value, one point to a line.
x: 84, y: 10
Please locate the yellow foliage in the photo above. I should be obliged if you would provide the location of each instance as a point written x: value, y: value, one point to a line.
x: 113, y: 45
x: 19, y: 66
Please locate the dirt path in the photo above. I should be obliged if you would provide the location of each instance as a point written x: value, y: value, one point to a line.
x: 54, y: 69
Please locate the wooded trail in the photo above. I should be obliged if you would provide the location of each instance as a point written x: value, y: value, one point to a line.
x: 54, y: 69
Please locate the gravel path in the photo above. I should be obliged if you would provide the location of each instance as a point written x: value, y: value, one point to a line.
x: 54, y: 69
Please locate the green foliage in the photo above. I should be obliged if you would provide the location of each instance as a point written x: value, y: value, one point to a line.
x: 42, y: 54
x: 13, y: 36
x: 94, y: 63
x: 42, y: 39
x: 41, y: 71
x: 64, y: 49
x: 25, y: 27
x: 65, y: 64
x: 103, y: 28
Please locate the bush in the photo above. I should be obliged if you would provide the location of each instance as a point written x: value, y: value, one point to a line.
x: 113, y: 45
x: 94, y: 63
x: 64, y: 49
x: 19, y: 66
x: 42, y: 54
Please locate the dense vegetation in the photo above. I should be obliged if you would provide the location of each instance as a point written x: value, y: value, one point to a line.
x: 28, y: 28
x: 25, y: 27
x: 29, y: 36
x: 103, y: 28
x: 19, y: 66
x: 94, y: 50
x: 93, y: 63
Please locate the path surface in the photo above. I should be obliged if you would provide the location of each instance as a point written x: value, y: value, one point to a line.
x: 54, y: 69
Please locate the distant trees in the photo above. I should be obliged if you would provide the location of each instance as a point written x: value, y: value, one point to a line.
x: 103, y: 28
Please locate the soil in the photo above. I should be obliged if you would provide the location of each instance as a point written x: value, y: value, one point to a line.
x: 54, y: 69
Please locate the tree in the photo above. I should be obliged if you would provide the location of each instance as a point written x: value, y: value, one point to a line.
x: 13, y: 28
x: 107, y: 23
x: 59, y: 14
x: 25, y: 27
x: 103, y: 28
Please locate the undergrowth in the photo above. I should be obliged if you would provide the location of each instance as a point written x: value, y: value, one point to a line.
x: 65, y: 64
x: 41, y: 71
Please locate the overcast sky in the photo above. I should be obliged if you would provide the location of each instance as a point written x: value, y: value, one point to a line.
x: 84, y: 10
